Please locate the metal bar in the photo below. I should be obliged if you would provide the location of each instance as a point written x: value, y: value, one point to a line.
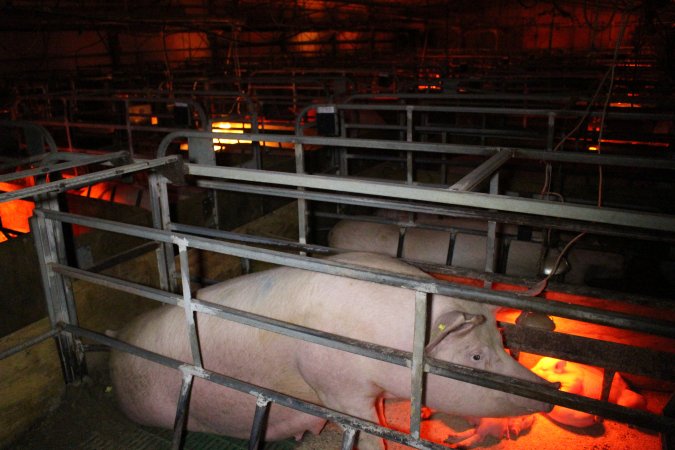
x: 123, y: 256
x: 443, y: 196
x: 539, y: 155
x: 348, y: 438
x: 511, y: 300
x: 303, y: 224
x: 262, y: 409
x: 491, y: 247
x: 550, y: 131
x: 607, y: 378
x: 573, y: 348
x: 161, y: 219
x: 553, y: 285
x: 64, y: 166
x: 434, y: 366
x: 409, y: 138
x: 121, y: 285
x: 240, y: 237
x: 581, y: 403
x: 49, y: 243
x: 284, y: 400
x: 610, y: 355
x: 471, y: 180
x: 417, y: 367
x: 444, y: 97
x: 13, y: 163
x: 187, y: 303
x: 182, y: 410
x: 498, y: 110
x: 85, y: 180
x: 502, y: 217
x: 28, y: 343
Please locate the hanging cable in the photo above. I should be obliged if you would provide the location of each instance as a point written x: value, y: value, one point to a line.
x: 606, y: 105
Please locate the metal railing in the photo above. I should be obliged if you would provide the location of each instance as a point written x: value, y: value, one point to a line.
x: 61, y: 303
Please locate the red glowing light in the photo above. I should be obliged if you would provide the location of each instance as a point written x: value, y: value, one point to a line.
x: 15, y: 213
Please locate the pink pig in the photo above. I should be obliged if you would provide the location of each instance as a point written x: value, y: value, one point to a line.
x: 384, y: 315
x: 584, y: 380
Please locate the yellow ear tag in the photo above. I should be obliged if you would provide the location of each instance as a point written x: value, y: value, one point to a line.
x: 441, y: 326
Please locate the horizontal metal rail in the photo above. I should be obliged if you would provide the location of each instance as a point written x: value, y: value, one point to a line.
x: 613, y: 356
x: 511, y: 300
x: 382, y: 353
x: 513, y: 111
x: 427, y: 267
x: 12, y: 163
x: 470, y: 181
x: 256, y: 391
x: 610, y: 216
x: 106, y: 126
x: 28, y: 343
x: 50, y: 168
x: 499, y: 216
x: 74, y: 98
x: 457, y: 149
x: 88, y: 179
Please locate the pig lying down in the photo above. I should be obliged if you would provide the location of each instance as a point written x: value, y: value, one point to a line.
x: 148, y: 392
x: 584, y: 380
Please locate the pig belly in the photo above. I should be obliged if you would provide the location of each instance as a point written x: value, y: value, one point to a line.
x: 230, y: 412
x: 148, y: 393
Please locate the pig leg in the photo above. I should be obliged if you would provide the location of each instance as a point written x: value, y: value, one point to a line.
x: 467, y: 438
x: 632, y: 399
x: 363, y: 408
x: 501, y: 427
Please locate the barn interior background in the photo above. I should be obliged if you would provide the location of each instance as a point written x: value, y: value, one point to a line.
x: 520, y: 138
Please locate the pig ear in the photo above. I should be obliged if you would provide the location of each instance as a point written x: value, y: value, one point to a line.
x: 456, y: 322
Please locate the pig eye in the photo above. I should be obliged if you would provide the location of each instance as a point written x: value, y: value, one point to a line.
x: 476, y: 357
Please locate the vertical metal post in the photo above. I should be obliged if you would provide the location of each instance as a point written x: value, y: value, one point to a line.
x: 262, y: 408
x: 483, y: 125
x: 607, y: 378
x: 182, y: 411
x: 409, y: 138
x: 128, y: 125
x: 551, y: 131
x: 417, y: 369
x: 48, y: 236
x: 257, y: 153
x: 66, y: 123
x: 491, y: 245
x: 161, y: 219
x: 303, y: 227
x: 444, y: 158
x: 187, y: 303
x: 348, y: 438
x: 343, y: 160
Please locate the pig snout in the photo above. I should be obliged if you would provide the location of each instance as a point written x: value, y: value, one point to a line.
x: 532, y: 405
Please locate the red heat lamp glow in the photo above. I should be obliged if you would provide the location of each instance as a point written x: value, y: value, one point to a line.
x: 395, y: 413
x: 14, y: 214
x: 582, y: 328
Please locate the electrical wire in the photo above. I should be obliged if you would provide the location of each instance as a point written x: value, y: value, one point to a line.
x: 543, y: 284
x: 538, y: 288
x: 606, y: 104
